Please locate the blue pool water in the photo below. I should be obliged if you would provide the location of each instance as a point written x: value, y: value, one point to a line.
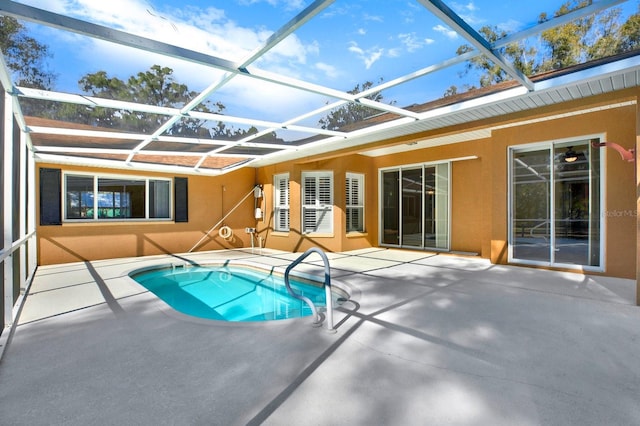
x: 230, y: 293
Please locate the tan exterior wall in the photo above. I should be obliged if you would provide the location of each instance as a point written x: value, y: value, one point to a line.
x: 209, y: 199
x: 479, y: 191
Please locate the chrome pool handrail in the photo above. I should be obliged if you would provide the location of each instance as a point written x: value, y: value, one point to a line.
x: 327, y: 287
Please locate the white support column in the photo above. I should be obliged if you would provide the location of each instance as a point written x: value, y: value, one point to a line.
x: 31, y: 208
x: 8, y: 207
x: 22, y: 214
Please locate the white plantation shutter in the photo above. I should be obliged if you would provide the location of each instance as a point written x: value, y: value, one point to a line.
x: 355, y: 202
x: 281, y: 202
x: 317, y: 202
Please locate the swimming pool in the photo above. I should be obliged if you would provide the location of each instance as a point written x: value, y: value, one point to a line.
x: 231, y: 292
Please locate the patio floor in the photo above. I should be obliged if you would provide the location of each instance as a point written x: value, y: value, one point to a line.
x: 427, y: 339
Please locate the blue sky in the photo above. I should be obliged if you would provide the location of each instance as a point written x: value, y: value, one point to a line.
x: 348, y: 43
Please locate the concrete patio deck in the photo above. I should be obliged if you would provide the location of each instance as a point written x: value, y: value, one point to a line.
x: 428, y: 339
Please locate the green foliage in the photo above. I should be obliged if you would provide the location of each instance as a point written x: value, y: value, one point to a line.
x: 25, y: 56
x: 566, y: 45
x: 592, y: 37
x: 352, y: 112
x: 518, y: 54
x: 157, y: 87
x: 630, y: 33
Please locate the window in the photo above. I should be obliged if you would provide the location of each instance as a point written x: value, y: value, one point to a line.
x: 317, y: 202
x: 555, y: 205
x: 281, y: 202
x: 89, y: 197
x: 355, y: 202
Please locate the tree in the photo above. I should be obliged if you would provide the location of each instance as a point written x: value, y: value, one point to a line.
x: 158, y: 87
x: 592, y: 37
x: 25, y: 56
x: 605, y: 40
x: 352, y: 112
x: 520, y: 56
x: 630, y: 33
x: 566, y: 45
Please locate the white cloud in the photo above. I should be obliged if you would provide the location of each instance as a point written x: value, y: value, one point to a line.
x: 411, y: 41
x: 255, y: 99
x: 353, y: 47
x: 328, y: 70
x: 394, y: 52
x: 290, y: 49
x: 207, y: 30
x: 375, y: 18
x: 287, y: 4
x: 468, y: 7
x: 362, y: 31
x: 467, y: 12
x: 369, y: 56
x: 510, y: 26
x: 373, y: 57
x: 448, y: 32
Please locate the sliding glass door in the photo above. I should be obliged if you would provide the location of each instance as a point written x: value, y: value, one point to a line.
x: 555, y: 214
x: 415, y: 206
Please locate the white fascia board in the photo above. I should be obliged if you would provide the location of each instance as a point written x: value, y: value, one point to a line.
x: 475, y: 103
x: 589, y: 74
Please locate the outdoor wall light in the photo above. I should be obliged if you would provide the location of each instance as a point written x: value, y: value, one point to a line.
x: 626, y: 154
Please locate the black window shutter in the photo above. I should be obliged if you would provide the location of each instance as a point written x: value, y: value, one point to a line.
x: 181, y: 199
x: 50, y: 197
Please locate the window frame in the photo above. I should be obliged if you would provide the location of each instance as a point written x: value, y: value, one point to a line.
x: 359, y: 206
x: 318, y: 206
x: 96, y: 177
x: 278, y: 208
